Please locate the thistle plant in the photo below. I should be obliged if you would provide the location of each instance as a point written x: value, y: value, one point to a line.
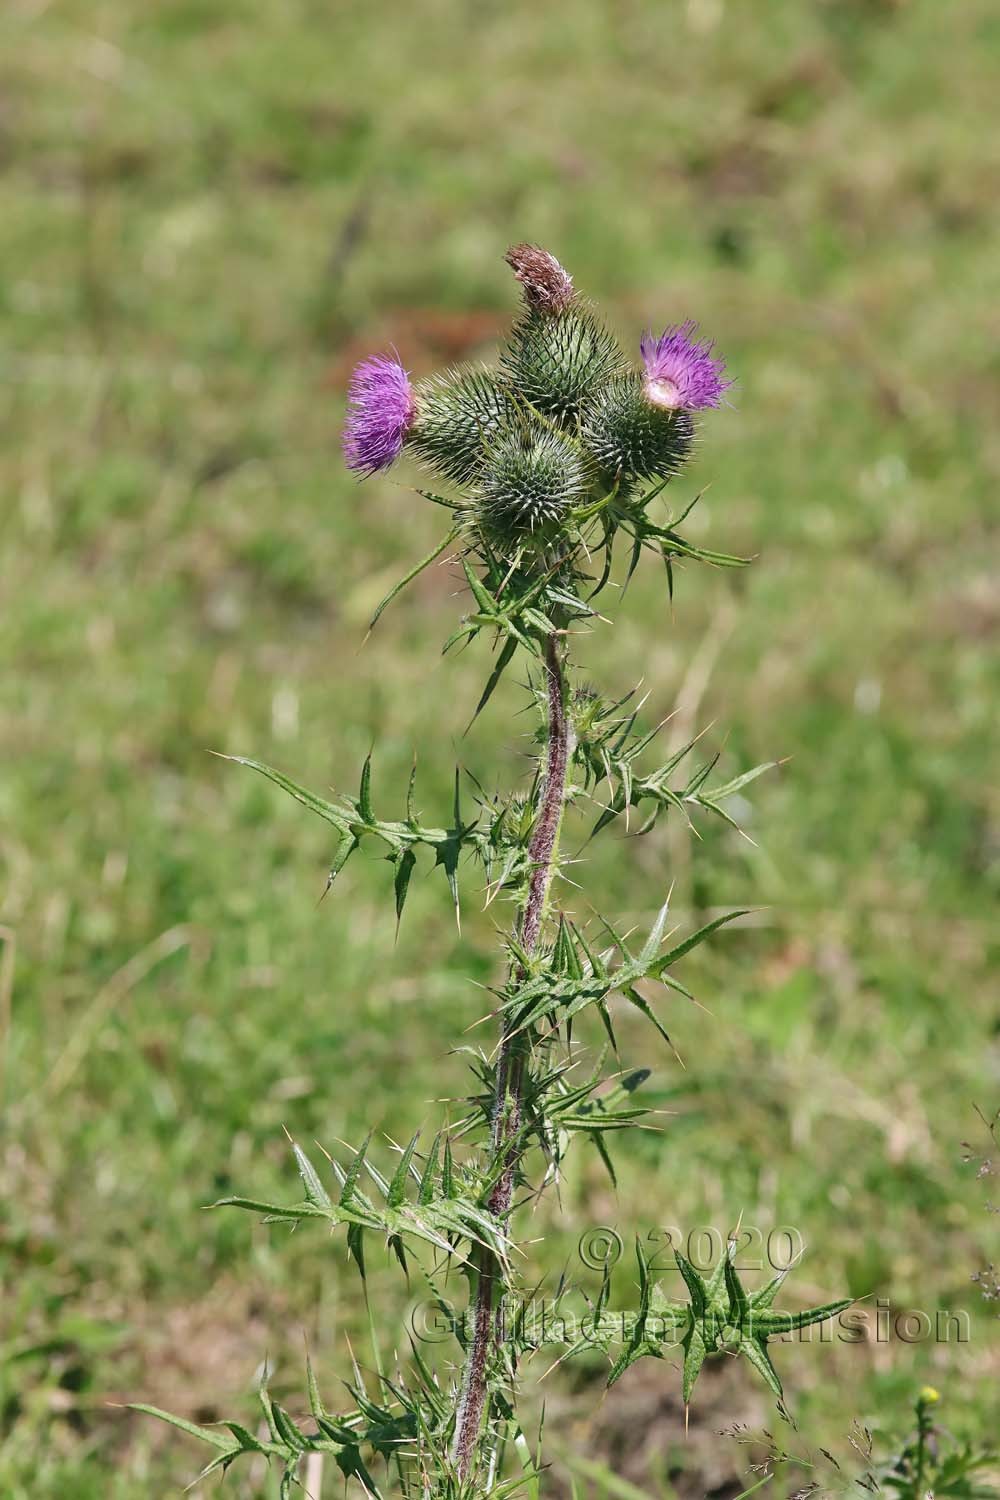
x: 556, y: 467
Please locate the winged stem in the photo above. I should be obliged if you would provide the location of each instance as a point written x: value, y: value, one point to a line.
x: 506, y: 1123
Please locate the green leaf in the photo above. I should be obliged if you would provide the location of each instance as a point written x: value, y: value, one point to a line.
x: 765, y: 1295
x: 652, y: 944
x: 756, y: 1352
x: 206, y: 1434
x: 397, y: 1187
x: 605, y: 1155
x: 693, y: 941
x: 502, y: 662
x: 276, y: 1211
x: 694, y: 1283
x: 315, y: 1399
x: 438, y: 499
x: 365, y: 794
x: 308, y: 799
x: 345, y: 849
x: 484, y: 599
x: 287, y: 1430
x: 356, y: 1247
x: 730, y: 788
x: 695, y: 1351
x: 447, y: 857
x: 425, y: 1191
x: 632, y: 994
x: 315, y: 1191
x: 267, y: 1406
x: 221, y: 1462
x: 246, y: 1439
x: 404, y: 864
x: 424, y: 562
x: 739, y: 1304
x: 349, y: 1191
x: 777, y: 1322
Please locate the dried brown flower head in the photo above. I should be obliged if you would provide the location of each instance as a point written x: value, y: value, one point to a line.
x: 547, y: 287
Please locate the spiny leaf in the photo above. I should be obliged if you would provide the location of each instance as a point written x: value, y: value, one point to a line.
x: 695, y: 1284
x: 365, y: 793
x: 484, y: 599
x: 404, y: 865
x: 349, y: 1190
x: 348, y: 844
x: 222, y: 1461
x: 765, y: 1295
x: 632, y: 994
x: 502, y: 662
x: 738, y: 1301
x: 602, y: 1151
x: 447, y: 858
x: 424, y: 562
x: 356, y: 1247
x: 695, y: 1352
x: 315, y: 1191
x: 652, y: 944
x: 267, y: 1406
x: 246, y: 1439
x: 273, y: 1211
x: 206, y: 1434
x: 447, y: 1172
x: 773, y: 1322
x: 693, y: 941
x: 425, y: 1191
x: 315, y: 1399
x: 756, y: 1352
x: 315, y: 804
x: 397, y: 1187
x: 730, y: 788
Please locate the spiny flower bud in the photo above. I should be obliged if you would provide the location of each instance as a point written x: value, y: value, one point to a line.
x: 532, y: 478
x: 555, y: 363
x: 379, y: 414
x: 457, y: 417
x: 629, y: 435
x: 546, y: 286
x: 681, y: 372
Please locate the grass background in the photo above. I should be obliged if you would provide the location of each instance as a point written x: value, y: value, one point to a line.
x: 208, y: 210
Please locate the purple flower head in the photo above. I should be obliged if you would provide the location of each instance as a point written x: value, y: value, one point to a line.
x: 680, y: 369
x: 380, y: 409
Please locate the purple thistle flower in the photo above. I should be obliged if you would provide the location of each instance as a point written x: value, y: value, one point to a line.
x: 380, y: 408
x: 680, y: 370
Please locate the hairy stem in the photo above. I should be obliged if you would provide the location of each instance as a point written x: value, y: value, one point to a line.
x: 506, y: 1124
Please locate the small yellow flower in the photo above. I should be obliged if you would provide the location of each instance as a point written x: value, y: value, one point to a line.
x: 929, y: 1395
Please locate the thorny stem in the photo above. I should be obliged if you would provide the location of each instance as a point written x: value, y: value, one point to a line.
x: 486, y: 1327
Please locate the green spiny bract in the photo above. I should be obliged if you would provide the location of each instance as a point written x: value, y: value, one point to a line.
x: 457, y: 417
x: 556, y: 360
x: 532, y: 479
x: 628, y: 435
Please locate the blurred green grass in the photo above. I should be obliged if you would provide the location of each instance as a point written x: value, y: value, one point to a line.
x: 207, y: 210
